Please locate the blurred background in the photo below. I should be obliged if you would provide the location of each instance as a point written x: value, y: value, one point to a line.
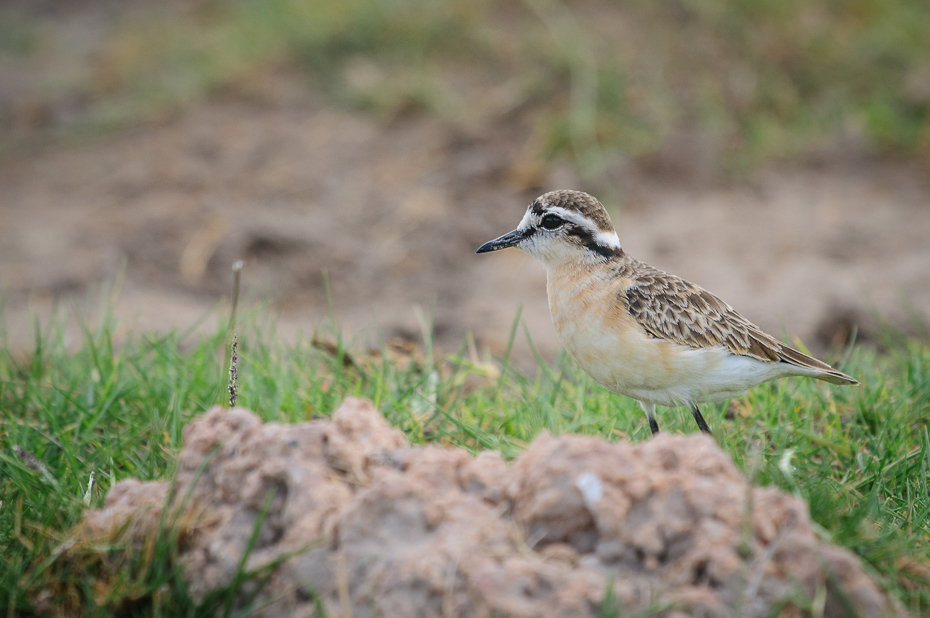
x: 354, y: 153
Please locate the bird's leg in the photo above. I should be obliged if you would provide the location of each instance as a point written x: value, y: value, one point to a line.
x: 696, y: 412
x: 650, y: 410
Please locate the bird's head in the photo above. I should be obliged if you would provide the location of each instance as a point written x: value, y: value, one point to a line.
x: 562, y: 226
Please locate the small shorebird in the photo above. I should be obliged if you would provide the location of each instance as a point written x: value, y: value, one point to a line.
x: 637, y: 330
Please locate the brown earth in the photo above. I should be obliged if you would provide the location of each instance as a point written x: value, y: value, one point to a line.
x: 365, y: 525
x: 392, y: 211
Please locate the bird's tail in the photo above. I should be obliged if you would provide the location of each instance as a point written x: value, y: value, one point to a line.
x: 836, y: 377
x: 820, y: 369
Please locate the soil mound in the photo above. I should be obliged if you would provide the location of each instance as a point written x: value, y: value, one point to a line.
x: 365, y: 525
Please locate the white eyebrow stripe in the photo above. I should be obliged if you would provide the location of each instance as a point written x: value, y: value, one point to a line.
x: 574, y: 217
x: 607, y: 239
x: 604, y: 239
x: 527, y: 221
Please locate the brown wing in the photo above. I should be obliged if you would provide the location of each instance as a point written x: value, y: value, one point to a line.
x: 673, y: 309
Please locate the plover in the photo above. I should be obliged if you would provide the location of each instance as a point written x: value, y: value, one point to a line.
x: 637, y: 330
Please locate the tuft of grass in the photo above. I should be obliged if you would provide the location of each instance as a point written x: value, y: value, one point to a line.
x: 859, y: 456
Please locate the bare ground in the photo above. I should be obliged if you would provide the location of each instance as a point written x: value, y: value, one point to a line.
x: 392, y: 211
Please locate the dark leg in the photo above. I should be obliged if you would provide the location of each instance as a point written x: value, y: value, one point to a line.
x: 650, y: 410
x: 702, y: 424
x: 653, y: 425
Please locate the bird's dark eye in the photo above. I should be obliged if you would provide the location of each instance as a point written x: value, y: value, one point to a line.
x: 551, y: 222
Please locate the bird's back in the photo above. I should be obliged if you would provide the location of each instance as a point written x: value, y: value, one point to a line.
x: 671, y: 308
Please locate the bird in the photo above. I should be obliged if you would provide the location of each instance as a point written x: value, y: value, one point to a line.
x: 637, y: 330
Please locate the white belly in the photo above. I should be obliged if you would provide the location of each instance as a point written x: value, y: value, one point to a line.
x: 663, y: 373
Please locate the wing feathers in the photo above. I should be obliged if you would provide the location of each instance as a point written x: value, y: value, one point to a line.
x: 673, y: 309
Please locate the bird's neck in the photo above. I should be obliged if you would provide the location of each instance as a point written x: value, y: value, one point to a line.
x: 585, y: 272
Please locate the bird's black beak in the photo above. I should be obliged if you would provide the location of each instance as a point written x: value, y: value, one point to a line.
x: 510, y: 239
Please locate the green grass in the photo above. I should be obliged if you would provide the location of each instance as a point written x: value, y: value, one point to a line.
x: 860, y: 456
x: 762, y: 80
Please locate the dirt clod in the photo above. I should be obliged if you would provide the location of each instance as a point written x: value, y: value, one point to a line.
x: 363, y: 522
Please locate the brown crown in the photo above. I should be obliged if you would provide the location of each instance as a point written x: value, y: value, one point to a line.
x: 586, y: 205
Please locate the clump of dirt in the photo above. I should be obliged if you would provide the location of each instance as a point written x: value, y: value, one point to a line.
x: 367, y: 525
